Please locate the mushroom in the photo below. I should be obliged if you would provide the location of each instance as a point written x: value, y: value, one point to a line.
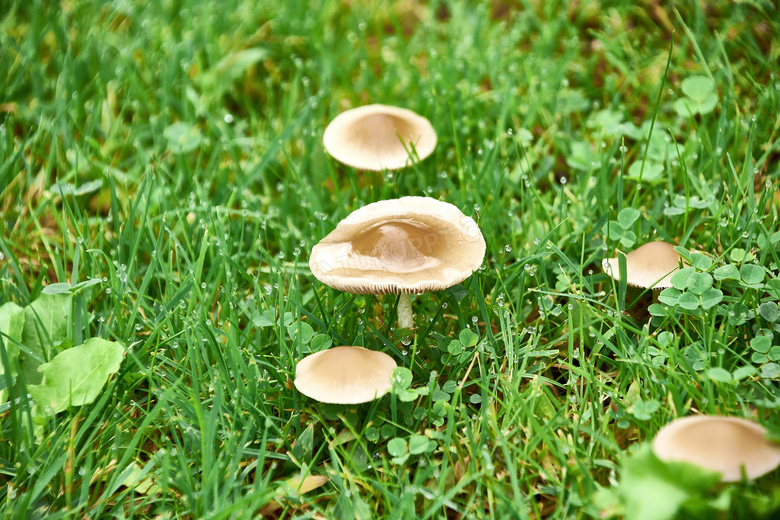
x: 377, y: 137
x: 717, y: 443
x: 648, y: 266
x: 345, y: 375
x: 407, y: 245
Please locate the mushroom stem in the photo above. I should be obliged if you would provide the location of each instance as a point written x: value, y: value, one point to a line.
x: 405, y: 320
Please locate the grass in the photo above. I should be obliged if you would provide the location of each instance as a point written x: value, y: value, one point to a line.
x: 172, y: 151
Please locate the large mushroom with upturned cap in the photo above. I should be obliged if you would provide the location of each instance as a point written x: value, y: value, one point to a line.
x: 648, y: 266
x: 345, y: 375
x: 717, y: 443
x: 401, y: 246
x: 379, y: 137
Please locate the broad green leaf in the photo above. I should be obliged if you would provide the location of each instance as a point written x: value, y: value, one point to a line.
x: 769, y: 311
x: 644, y: 410
x: 761, y: 344
x: 697, y: 88
x: 67, y: 189
x: 726, y: 272
x: 708, y: 104
x: 770, y: 371
x: 320, y: 342
x: 743, y: 372
x: 581, y: 156
x: 711, y: 298
x: 613, y: 229
x: 758, y: 358
x: 396, y: 447
x: 182, y: 137
x: 419, y: 444
x: 659, y: 146
x: 263, y: 320
x: 607, y: 120
x: 651, y: 172
x: 401, y: 378
x: 688, y: 301
x: 773, y: 287
x: 57, y: 288
x: 696, y: 202
x: 11, y: 329
x: 45, y: 326
x: 628, y: 240
x: 752, y: 274
x: 76, y: 376
x: 439, y: 395
x: 669, y: 296
x: 720, y: 375
x: 655, y: 490
x: 450, y: 386
x: 455, y: 347
x: 738, y: 255
x: 300, y: 331
x: 407, y: 396
x: 372, y: 434
x: 774, y: 354
x: 700, y: 261
x: 656, y: 309
x: 627, y: 217
x: 680, y: 278
x: 468, y: 338
x: 764, y: 241
x: 698, y: 283
x: 686, y: 107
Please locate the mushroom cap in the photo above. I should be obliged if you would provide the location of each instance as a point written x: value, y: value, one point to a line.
x: 345, y: 375
x: 409, y: 245
x: 377, y: 137
x: 646, y: 265
x: 717, y: 443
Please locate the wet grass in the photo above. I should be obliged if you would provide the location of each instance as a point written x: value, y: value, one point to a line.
x: 173, y: 151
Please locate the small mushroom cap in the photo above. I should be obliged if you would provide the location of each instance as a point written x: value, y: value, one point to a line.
x: 409, y: 245
x: 646, y: 265
x: 345, y: 375
x: 370, y: 137
x: 722, y: 444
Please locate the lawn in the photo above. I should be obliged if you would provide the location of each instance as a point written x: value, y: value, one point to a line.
x: 163, y: 182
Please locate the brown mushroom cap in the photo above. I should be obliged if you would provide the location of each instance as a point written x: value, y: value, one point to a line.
x: 377, y: 137
x: 722, y: 444
x: 345, y: 375
x: 409, y: 245
x: 646, y: 265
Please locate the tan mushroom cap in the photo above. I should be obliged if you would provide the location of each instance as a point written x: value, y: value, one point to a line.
x: 345, y: 375
x: 646, y: 265
x: 722, y: 444
x: 370, y: 137
x: 409, y: 245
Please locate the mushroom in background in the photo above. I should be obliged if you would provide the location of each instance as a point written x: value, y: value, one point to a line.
x: 399, y: 246
x: 379, y: 137
x: 722, y: 444
x: 649, y: 266
x: 345, y: 375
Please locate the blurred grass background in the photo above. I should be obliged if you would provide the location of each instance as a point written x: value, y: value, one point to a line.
x: 172, y: 150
